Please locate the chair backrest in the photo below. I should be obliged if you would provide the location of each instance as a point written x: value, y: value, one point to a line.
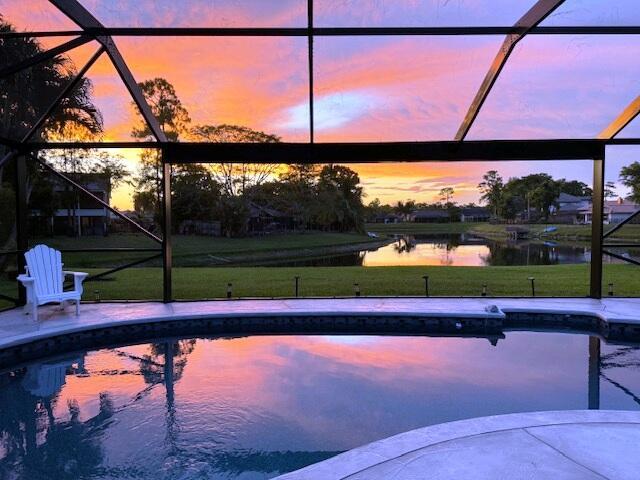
x: 45, y: 266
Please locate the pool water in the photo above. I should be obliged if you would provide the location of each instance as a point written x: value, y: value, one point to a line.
x: 259, y: 406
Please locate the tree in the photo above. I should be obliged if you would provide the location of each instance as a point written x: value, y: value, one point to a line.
x: 533, y: 193
x: 26, y: 95
x: 610, y: 190
x: 339, y: 202
x: 405, y: 209
x: 195, y: 195
x: 492, y: 187
x: 375, y: 208
x: 575, y: 188
x: 630, y: 178
x: 446, y: 194
x: 236, y: 179
x: 174, y: 122
x: 166, y: 107
x: 296, y: 192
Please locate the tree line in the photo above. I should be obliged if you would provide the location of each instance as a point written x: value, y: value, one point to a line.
x: 319, y: 197
x: 315, y: 197
x: 404, y: 208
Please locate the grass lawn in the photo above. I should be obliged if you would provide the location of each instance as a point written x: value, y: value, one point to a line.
x: 410, y: 227
x: 190, y: 249
x: 209, y: 283
x: 201, y: 283
x: 564, y: 232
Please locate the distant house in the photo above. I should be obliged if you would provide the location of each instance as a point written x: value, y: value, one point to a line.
x: 388, y: 218
x: 77, y: 213
x: 475, y: 214
x: 579, y: 210
x: 571, y: 209
x: 616, y: 211
x: 198, y: 227
x: 263, y: 219
x: 430, y: 215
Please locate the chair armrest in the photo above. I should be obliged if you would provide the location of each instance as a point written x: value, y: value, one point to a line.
x: 29, y: 283
x: 78, y: 278
x: 25, y: 279
x: 81, y: 275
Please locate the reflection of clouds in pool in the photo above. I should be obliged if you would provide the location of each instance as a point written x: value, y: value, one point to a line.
x: 313, y: 393
x: 351, y: 339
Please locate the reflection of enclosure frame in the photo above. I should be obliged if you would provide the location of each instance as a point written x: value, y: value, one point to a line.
x: 456, y: 150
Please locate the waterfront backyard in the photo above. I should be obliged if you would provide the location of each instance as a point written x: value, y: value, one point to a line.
x: 459, y: 259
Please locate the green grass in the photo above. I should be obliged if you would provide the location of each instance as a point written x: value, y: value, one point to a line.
x: 201, y: 283
x: 209, y: 283
x: 410, y: 227
x: 564, y: 232
x: 196, y: 250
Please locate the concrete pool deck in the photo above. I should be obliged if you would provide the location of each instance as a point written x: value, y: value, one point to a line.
x: 16, y: 328
x: 575, y: 444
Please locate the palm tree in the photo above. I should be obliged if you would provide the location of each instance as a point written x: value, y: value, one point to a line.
x: 26, y: 95
x: 405, y: 209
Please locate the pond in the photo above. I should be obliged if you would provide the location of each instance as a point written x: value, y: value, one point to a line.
x: 258, y: 406
x: 459, y: 250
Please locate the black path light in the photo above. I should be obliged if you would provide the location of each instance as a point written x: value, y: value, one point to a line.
x: 356, y: 289
x: 229, y: 290
x: 533, y: 286
x: 611, y: 289
x: 484, y: 290
x: 297, y: 290
x: 426, y: 285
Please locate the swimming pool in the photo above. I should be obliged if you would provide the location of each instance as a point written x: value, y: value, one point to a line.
x: 257, y: 406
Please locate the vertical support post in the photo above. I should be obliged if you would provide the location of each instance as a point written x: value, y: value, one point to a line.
x: 597, y: 220
x: 594, y: 373
x: 310, y: 66
x: 22, y: 239
x: 167, y: 254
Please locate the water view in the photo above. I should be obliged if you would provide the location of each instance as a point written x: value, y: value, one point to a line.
x: 254, y: 407
x: 456, y: 250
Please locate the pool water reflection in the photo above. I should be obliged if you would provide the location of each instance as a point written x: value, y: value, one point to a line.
x: 255, y: 407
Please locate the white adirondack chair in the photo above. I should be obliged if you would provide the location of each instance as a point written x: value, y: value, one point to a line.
x: 44, y: 279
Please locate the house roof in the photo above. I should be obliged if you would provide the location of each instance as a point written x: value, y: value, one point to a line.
x: 621, y: 206
x: 477, y: 211
x: 431, y: 213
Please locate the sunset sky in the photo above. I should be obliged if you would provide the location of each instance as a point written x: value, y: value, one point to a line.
x: 373, y: 88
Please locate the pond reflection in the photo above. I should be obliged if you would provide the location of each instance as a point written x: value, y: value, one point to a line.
x: 460, y: 250
x: 255, y: 407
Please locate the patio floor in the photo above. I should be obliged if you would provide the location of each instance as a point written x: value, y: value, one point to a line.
x: 578, y: 444
x: 17, y: 328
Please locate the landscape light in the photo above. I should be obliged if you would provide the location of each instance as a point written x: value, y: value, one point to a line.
x: 533, y: 286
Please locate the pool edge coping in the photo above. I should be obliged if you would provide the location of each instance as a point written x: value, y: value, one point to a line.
x: 367, y: 456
